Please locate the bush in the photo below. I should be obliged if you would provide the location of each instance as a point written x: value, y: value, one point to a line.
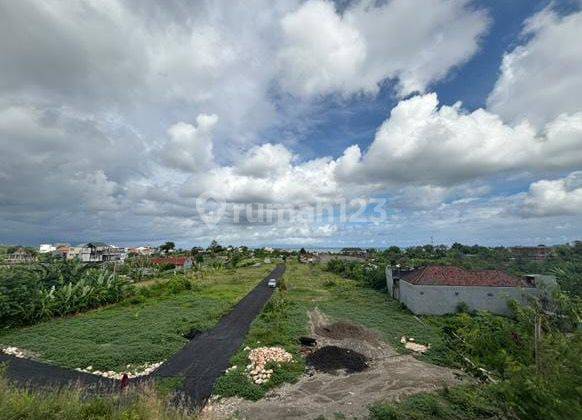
x: 30, y: 295
x: 368, y: 275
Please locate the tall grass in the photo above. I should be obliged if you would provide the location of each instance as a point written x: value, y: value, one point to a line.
x: 142, y: 402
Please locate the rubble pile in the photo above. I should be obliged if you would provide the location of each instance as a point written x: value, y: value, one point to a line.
x: 410, y: 344
x: 132, y: 372
x: 260, y: 357
x: 15, y: 351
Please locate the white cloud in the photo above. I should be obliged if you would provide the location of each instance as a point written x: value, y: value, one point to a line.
x: 266, y: 161
x: 556, y: 197
x: 423, y: 143
x: 542, y: 78
x: 325, y: 52
x: 190, y: 147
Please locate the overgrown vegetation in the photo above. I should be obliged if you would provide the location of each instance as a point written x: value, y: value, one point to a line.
x: 527, y: 374
x: 33, y: 294
x: 366, y: 274
x: 148, y: 327
x: 142, y: 403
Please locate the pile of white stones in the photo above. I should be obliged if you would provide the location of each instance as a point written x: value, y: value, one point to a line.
x: 14, y: 351
x: 259, y: 357
x: 410, y: 344
x: 132, y: 372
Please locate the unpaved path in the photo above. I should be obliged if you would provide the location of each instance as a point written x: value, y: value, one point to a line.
x: 390, y: 376
x: 206, y: 356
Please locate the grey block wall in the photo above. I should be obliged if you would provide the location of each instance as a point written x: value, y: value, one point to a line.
x: 439, y: 300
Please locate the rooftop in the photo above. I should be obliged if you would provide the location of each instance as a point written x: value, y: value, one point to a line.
x: 435, y: 275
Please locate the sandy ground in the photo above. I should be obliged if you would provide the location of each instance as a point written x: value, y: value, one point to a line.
x: 390, y: 377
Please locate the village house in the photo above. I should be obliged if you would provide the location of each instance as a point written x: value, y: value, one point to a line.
x: 179, y: 263
x: 46, y: 248
x: 439, y: 290
x: 142, y: 250
x: 96, y: 252
x: 531, y: 253
x: 21, y: 256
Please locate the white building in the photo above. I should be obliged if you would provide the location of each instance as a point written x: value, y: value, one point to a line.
x: 46, y: 248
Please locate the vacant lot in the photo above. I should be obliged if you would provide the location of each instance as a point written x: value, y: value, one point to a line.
x: 286, y: 318
x: 146, y: 331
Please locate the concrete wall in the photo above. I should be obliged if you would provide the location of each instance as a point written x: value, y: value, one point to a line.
x: 389, y: 280
x: 439, y: 300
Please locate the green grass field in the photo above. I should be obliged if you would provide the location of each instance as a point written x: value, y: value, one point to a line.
x: 146, y: 331
x: 285, y: 318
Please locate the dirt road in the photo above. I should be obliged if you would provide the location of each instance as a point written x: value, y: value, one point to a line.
x: 206, y: 357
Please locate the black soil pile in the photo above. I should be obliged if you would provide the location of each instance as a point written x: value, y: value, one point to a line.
x: 330, y: 359
x: 341, y: 330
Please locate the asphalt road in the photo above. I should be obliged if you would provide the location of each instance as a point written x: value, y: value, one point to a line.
x: 205, y: 358
x: 200, y: 362
x: 38, y: 375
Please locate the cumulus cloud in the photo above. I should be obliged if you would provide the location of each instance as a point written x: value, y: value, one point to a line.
x: 326, y: 52
x: 190, y: 147
x: 542, y: 78
x: 423, y: 143
x: 555, y: 197
x: 49, y: 159
x: 266, y: 161
x: 112, y: 126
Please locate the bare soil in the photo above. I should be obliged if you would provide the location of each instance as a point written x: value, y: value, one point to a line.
x: 390, y: 376
x: 330, y: 359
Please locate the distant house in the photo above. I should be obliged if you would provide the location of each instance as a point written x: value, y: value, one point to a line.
x: 354, y: 252
x: 180, y: 263
x: 97, y: 252
x: 21, y: 256
x: 308, y: 258
x: 142, y: 250
x: 439, y: 290
x: 531, y: 253
x: 46, y: 248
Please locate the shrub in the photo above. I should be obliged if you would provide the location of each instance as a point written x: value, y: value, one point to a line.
x: 30, y: 295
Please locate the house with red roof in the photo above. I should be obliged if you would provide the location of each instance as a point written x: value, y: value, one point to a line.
x: 179, y: 263
x: 439, y: 290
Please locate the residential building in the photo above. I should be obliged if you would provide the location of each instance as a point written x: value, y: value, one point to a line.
x: 142, y: 250
x: 180, y: 263
x: 97, y: 252
x: 46, y: 248
x: 439, y: 290
x: 21, y: 256
x: 531, y: 253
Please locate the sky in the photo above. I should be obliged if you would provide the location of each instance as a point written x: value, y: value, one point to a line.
x: 291, y: 123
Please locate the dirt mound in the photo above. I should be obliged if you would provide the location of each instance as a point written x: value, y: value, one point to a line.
x: 342, y: 330
x: 332, y: 358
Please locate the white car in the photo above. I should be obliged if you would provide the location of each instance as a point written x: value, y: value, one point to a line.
x: 272, y: 283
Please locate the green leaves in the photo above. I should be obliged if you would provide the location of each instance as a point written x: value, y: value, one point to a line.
x: 31, y: 295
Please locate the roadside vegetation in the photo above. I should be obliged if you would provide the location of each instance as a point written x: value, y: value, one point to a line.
x: 147, y: 327
x: 139, y: 403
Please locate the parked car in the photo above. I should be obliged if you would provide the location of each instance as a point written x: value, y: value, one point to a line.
x: 272, y: 283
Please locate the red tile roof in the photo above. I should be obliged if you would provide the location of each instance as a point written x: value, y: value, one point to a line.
x: 436, y: 275
x: 178, y: 261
